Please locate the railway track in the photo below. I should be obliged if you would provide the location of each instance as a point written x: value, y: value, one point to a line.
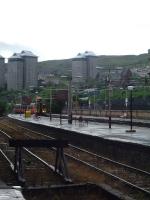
x: 86, y: 166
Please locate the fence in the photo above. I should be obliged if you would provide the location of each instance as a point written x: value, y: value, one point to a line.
x: 137, y: 114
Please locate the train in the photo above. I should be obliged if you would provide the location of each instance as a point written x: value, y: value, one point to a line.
x: 20, y: 108
x: 33, y: 108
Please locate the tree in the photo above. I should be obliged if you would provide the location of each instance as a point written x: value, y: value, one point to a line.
x: 58, y: 106
x: 3, y: 107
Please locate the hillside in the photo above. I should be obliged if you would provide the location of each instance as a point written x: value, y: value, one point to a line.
x: 125, y: 60
x: 55, y: 66
x: 64, y: 66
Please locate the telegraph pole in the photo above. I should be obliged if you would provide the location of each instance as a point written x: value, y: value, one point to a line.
x: 108, y: 81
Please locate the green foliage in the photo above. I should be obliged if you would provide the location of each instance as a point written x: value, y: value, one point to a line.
x: 59, y: 67
x: 57, y: 106
x: 125, y: 60
x: 45, y: 93
x: 116, y: 93
x: 3, y: 107
x: 141, y: 92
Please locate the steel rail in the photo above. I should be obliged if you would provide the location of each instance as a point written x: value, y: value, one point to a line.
x: 93, y: 154
x: 92, y: 167
x: 107, y: 159
x: 7, y: 159
x: 51, y: 167
x: 110, y: 160
x: 100, y: 170
x: 107, y: 173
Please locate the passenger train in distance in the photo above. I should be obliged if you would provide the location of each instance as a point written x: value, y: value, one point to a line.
x: 20, y: 109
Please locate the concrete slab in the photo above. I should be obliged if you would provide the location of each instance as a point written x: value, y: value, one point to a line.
x: 2, y: 184
x: 11, y: 194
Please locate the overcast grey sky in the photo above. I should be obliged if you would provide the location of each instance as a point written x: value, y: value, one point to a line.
x: 56, y: 29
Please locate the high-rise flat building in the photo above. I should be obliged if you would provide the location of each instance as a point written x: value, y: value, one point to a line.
x: 84, y: 65
x: 29, y: 69
x: 15, y: 72
x: 2, y: 72
x: 22, y: 71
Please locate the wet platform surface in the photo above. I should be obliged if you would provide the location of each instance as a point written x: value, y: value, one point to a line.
x: 10, y: 193
x: 117, y: 132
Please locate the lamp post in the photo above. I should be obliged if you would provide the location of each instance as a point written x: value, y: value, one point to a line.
x: 109, y: 105
x: 125, y: 105
x: 108, y: 81
x: 50, y: 105
x: 109, y: 99
x: 130, y: 88
x: 70, y: 97
x: 70, y: 101
x: 20, y: 97
x: 36, y: 103
x: 50, y: 98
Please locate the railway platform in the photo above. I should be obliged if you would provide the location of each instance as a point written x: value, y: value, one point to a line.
x: 118, y: 132
x: 10, y: 192
x: 81, y: 133
x: 7, y: 193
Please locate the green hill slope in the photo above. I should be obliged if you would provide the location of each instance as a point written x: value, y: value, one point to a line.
x: 55, y: 66
x: 64, y: 66
x: 123, y: 60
